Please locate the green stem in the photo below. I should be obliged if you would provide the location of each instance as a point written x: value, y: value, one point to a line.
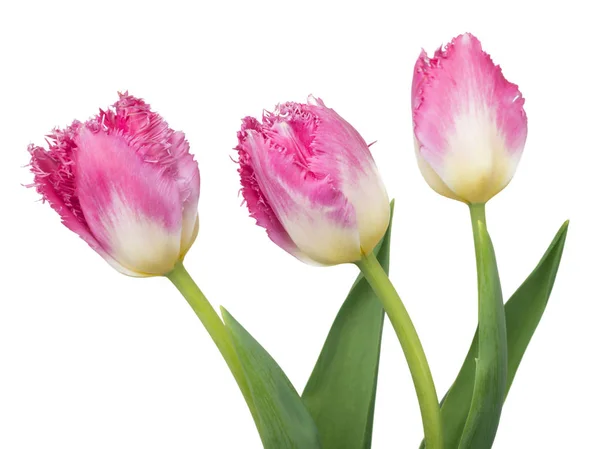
x: 492, y: 355
x: 215, y: 328
x: 477, y: 215
x: 411, y: 345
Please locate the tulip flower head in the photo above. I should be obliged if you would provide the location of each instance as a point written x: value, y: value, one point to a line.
x: 469, y: 123
x: 126, y: 184
x: 309, y: 179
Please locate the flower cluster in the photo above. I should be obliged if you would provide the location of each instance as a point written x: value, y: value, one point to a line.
x: 127, y: 184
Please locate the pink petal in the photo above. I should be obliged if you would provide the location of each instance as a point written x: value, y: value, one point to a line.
x: 55, y: 182
x: 126, y: 183
x: 125, y: 199
x: 257, y: 204
x: 459, y: 80
x: 305, y: 203
x: 44, y: 167
x: 309, y: 178
x: 150, y: 136
x: 255, y: 200
x: 341, y: 152
x: 188, y: 181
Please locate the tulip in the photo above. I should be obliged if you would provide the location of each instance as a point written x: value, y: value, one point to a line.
x: 469, y: 123
x: 309, y: 179
x: 470, y: 130
x: 126, y: 184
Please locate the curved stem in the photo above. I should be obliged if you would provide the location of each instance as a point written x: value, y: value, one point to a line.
x: 214, y: 326
x: 411, y: 345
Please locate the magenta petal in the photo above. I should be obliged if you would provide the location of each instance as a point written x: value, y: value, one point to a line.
x: 456, y: 80
x: 55, y: 182
x: 316, y: 216
x: 309, y: 178
x: 132, y: 207
x: 342, y: 153
x: 188, y: 180
x: 150, y: 136
x: 257, y: 204
x: 126, y: 182
x: 45, y: 169
x: 469, y: 123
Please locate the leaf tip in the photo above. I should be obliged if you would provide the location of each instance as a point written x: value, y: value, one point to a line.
x: 561, y: 235
x: 225, y: 314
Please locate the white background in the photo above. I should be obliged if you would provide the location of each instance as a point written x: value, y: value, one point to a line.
x: 93, y: 359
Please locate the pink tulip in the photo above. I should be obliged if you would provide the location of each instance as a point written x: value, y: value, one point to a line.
x: 126, y: 184
x: 309, y: 178
x: 469, y: 123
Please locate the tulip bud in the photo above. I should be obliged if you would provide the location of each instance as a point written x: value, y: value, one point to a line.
x: 126, y: 184
x: 469, y: 123
x: 309, y: 179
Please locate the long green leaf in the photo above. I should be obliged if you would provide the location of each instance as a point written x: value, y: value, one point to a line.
x: 523, y: 313
x: 284, y: 422
x: 340, y: 394
x: 526, y: 307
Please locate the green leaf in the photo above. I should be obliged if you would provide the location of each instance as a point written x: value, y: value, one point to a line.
x: 284, y: 422
x: 489, y: 386
x: 523, y: 312
x: 525, y: 308
x: 340, y: 394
